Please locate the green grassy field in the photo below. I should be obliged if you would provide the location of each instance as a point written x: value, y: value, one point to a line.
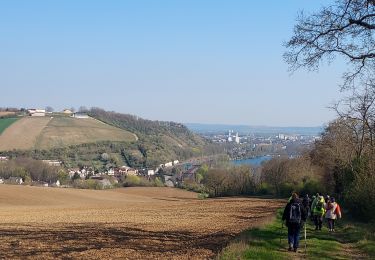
x: 350, y: 241
x: 6, y: 122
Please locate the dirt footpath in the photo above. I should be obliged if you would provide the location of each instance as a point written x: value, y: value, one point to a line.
x: 131, y: 223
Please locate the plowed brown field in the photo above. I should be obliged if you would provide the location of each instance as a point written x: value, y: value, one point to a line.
x: 131, y: 223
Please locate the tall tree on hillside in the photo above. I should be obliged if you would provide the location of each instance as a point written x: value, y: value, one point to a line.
x: 346, y: 29
x: 358, y: 114
x: 83, y: 109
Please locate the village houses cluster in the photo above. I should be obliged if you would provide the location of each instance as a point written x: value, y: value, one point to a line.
x: 88, y: 172
x: 116, y: 172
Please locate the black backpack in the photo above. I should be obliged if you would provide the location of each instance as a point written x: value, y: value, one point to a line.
x: 295, y: 213
x: 306, y: 202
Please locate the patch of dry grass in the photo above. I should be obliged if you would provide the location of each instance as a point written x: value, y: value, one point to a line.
x: 47, y: 132
x: 23, y: 133
x: 62, y: 131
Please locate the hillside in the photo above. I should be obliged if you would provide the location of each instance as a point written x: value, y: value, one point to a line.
x: 126, y: 139
x: 174, y: 133
x: 159, y: 141
x: 5, y: 123
x: 53, y: 132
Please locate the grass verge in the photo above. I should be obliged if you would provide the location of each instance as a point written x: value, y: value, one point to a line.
x: 350, y: 241
x: 5, y: 123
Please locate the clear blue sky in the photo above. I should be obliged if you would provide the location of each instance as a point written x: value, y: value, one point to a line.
x: 201, y: 61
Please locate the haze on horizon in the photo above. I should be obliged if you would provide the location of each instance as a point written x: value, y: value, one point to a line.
x: 186, y: 61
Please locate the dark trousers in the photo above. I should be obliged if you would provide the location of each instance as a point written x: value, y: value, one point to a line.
x: 331, y: 223
x: 318, y: 221
x: 293, y: 235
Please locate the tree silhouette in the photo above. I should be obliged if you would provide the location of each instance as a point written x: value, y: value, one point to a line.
x: 344, y: 29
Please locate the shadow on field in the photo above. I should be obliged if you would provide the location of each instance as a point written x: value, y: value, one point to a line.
x: 71, y: 241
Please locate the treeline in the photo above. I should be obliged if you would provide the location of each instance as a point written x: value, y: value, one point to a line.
x: 281, y: 176
x: 10, y: 109
x: 222, y: 181
x: 278, y: 177
x: 10, y: 112
x: 145, y: 127
x: 159, y: 141
x: 90, y: 155
x: 140, y: 154
x: 30, y: 170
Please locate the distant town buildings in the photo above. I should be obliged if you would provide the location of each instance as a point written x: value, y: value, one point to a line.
x: 80, y: 115
x: 36, y: 112
x: 232, y: 137
x: 67, y: 111
x: 248, y: 145
x: 237, y: 138
x: 289, y: 137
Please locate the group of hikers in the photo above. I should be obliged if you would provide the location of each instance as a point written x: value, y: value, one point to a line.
x: 317, y: 208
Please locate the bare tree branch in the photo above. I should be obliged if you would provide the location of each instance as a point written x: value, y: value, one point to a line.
x: 345, y: 29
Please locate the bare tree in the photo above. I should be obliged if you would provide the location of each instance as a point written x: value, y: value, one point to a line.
x: 337, y: 144
x: 344, y: 29
x: 276, y: 173
x: 83, y: 109
x: 358, y: 114
x: 49, y: 109
x: 215, y: 181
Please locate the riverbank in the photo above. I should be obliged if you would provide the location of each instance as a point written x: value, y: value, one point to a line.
x: 255, y: 161
x: 350, y: 241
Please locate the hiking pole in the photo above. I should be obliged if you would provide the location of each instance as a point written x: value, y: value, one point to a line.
x: 281, y: 231
x: 305, y: 240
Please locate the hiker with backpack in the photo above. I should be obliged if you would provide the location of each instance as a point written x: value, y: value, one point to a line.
x: 333, y: 212
x: 306, y: 202
x: 312, y: 207
x: 318, y: 211
x: 294, y: 216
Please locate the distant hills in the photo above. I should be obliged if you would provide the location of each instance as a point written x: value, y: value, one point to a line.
x: 244, y: 129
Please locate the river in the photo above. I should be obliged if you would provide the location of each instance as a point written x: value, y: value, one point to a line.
x: 256, y: 161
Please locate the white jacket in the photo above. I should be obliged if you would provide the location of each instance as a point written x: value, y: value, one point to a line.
x: 331, y: 212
